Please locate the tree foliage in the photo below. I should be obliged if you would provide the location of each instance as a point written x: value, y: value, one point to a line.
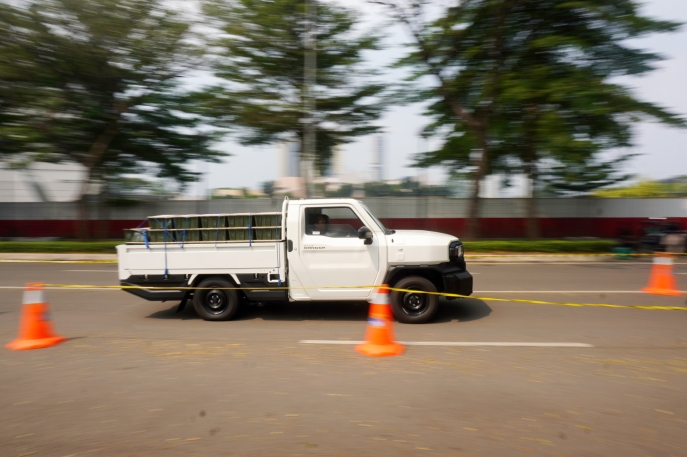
x: 261, y: 60
x: 463, y: 51
x: 96, y: 82
x: 540, y: 78
x: 560, y: 102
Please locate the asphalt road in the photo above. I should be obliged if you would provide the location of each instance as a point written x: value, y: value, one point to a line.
x: 136, y: 379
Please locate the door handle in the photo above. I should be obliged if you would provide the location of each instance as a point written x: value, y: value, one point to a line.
x: 289, y: 245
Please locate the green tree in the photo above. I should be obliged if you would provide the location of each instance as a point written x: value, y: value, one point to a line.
x: 560, y: 103
x: 97, y: 83
x: 540, y: 76
x: 464, y: 52
x: 268, y: 188
x: 576, y: 176
x: 261, y: 60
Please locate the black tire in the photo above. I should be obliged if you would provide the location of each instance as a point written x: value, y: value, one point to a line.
x: 215, y: 300
x: 411, y: 308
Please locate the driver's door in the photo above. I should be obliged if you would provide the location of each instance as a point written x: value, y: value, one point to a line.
x: 335, y: 261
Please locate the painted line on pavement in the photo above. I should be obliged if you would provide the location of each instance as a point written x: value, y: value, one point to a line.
x: 477, y: 291
x: 461, y: 343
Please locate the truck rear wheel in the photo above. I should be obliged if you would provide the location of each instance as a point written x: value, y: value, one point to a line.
x: 414, y: 308
x: 215, y: 300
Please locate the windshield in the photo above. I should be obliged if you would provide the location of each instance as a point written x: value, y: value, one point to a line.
x: 381, y: 226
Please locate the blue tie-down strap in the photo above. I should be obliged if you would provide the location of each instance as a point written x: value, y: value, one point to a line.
x: 145, y: 238
x: 164, y: 239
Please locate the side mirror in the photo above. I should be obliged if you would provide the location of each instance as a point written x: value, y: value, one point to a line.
x: 366, y: 234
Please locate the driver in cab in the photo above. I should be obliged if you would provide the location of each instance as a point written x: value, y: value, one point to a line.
x: 319, y: 225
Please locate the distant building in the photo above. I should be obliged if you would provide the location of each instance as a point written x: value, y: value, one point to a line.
x: 378, y: 159
x: 289, y: 185
x: 338, y: 162
x: 289, y: 159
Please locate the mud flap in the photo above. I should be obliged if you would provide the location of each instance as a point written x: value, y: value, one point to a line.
x: 182, y: 305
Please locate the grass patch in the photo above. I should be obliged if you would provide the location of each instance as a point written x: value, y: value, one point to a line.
x: 545, y: 246
x: 57, y: 247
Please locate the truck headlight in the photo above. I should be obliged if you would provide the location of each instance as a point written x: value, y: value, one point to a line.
x: 455, y: 250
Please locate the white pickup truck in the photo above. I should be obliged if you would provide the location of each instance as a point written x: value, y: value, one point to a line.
x: 313, y: 250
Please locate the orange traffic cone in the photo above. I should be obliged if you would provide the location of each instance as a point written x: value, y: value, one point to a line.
x: 379, y: 338
x: 35, y: 327
x: 662, y: 280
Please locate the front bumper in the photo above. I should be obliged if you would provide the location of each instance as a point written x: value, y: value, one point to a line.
x: 459, y: 283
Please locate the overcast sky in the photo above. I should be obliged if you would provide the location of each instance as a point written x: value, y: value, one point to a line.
x: 663, y: 150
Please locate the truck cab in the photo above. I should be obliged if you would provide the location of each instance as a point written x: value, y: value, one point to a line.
x: 327, y: 250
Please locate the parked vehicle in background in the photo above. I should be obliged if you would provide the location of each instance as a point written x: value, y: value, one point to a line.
x: 656, y: 231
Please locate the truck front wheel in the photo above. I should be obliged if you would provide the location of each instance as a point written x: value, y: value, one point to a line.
x: 414, y: 308
x: 215, y: 299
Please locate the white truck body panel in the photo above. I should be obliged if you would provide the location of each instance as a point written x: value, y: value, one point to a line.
x: 422, y: 248
x: 328, y: 268
x: 193, y: 259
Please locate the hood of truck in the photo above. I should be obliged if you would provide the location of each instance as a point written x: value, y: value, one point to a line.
x: 418, y: 247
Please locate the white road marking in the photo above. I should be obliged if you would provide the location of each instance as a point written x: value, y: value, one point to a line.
x: 462, y: 343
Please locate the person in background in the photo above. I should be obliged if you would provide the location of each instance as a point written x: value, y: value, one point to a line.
x: 674, y: 241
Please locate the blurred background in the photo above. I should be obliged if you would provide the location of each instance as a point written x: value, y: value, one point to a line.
x: 483, y: 119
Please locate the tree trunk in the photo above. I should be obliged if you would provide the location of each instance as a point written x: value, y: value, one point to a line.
x: 103, y: 224
x: 532, y: 230
x: 82, y: 229
x: 473, y: 225
x: 95, y: 154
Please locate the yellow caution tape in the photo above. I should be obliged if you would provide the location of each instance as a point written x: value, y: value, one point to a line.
x: 467, y: 256
x: 541, y: 302
x: 393, y: 289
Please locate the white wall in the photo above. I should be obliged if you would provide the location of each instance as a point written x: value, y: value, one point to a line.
x: 41, y: 182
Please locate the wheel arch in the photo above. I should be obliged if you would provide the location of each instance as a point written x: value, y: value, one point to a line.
x: 229, y: 277
x: 396, y: 274
x: 197, y: 279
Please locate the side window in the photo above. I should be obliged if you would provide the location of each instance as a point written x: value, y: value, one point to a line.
x: 334, y: 222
